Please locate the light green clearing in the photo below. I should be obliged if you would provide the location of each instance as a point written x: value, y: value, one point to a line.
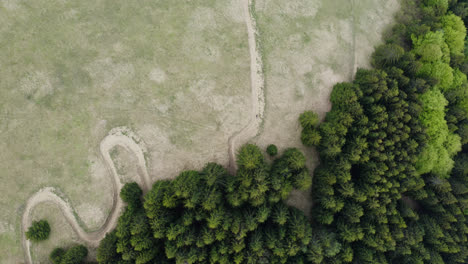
x: 176, y: 72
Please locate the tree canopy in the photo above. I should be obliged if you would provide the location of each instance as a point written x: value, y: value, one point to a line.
x: 38, y: 231
x: 210, y: 216
x: 74, y: 255
x: 392, y: 182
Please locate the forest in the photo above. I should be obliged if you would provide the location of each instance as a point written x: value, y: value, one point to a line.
x: 391, y: 187
x: 392, y: 183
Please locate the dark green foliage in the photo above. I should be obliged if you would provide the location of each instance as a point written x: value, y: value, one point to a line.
x: 387, y: 55
x: 56, y: 255
x: 213, y: 217
x: 385, y: 185
x: 75, y: 255
x: 38, y: 231
x: 272, y: 150
x: 442, y: 144
x: 308, y: 119
x: 107, y: 251
x: 310, y: 136
x: 131, y: 193
x: 436, y: 7
x: 132, y: 239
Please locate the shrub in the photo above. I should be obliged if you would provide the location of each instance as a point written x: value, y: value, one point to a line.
x: 38, y: 231
x: 272, y: 150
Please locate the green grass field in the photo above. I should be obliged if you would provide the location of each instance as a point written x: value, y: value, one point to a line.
x: 174, y: 72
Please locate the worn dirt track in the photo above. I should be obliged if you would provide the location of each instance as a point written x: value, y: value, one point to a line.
x: 116, y: 137
x: 257, y: 83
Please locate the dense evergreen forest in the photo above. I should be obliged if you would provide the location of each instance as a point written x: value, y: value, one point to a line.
x: 392, y: 184
x: 391, y: 187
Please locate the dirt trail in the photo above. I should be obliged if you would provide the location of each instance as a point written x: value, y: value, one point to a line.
x: 354, y: 65
x: 117, y: 137
x: 257, y: 82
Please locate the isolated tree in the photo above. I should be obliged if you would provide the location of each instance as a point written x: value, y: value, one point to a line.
x: 38, y: 231
x: 272, y: 150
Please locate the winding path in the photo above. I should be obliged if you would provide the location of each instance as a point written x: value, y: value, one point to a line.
x: 257, y: 83
x: 116, y: 137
